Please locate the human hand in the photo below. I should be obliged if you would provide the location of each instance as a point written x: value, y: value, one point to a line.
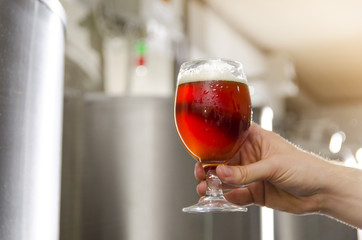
x: 277, y: 174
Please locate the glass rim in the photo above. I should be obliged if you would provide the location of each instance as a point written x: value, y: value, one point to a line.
x: 211, y: 59
x: 212, y: 69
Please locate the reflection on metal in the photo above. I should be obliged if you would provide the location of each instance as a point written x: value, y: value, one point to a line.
x: 31, y: 93
x: 313, y: 227
x: 127, y: 176
x: 267, y: 223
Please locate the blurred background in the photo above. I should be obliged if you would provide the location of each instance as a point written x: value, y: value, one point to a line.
x: 124, y: 172
x: 122, y: 57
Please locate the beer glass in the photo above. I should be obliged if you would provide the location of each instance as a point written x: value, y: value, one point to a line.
x: 212, y: 117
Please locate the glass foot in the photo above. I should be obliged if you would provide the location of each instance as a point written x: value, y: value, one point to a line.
x: 214, y: 204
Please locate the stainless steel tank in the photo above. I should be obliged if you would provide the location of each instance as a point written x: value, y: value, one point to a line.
x: 31, y: 94
x: 127, y: 176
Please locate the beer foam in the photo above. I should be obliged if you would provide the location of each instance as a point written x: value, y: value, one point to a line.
x: 208, y: 70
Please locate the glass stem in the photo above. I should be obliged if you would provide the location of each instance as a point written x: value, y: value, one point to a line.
x: 214, y: 184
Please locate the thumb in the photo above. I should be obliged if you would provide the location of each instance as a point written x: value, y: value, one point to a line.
x: 242, y: 175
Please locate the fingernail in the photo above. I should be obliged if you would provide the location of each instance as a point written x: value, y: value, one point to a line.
x: 226, y: 170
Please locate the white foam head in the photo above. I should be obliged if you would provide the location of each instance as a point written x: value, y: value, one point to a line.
x: 211, y: 69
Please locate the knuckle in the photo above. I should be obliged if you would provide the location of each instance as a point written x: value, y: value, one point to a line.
x: 242, y: 175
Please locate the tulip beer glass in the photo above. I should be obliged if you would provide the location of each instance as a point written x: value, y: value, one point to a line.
x: 212, y: 117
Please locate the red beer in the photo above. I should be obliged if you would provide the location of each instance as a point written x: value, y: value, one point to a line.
x: 212, y: 118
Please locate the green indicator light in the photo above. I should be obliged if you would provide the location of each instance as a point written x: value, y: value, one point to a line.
x: 141, y: 47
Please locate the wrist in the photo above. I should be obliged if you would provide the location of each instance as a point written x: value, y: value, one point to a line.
x: 329, y: 190
x: 341, y: 194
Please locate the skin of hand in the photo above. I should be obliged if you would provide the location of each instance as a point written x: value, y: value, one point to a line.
x: 281, y: 176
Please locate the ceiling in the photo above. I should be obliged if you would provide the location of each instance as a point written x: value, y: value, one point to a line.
x: 323, y: 37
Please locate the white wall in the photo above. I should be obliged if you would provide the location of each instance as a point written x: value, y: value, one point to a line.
x: 211, y: 36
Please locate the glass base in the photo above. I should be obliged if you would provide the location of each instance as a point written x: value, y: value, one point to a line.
x: 214, y: 204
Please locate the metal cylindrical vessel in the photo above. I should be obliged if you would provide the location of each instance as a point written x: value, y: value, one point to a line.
x: 126, y: 175
x: 31, y: 94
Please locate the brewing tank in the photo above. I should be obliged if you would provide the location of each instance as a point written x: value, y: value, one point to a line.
x: 126, y: 175
x: 31, y: 94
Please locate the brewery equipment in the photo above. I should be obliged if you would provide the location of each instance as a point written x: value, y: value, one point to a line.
x: 126, y: 175
x: 31, y: 93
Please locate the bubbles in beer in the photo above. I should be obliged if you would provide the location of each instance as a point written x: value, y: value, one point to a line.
x: 213, y: 126
x: 212, y: 109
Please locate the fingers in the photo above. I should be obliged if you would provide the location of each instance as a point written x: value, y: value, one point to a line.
x: 201, y: 187
x: 235, y: 176
x: 200, y: 175
x: 240, y: 196
x: 245, y: 174
x: 199, y: 172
